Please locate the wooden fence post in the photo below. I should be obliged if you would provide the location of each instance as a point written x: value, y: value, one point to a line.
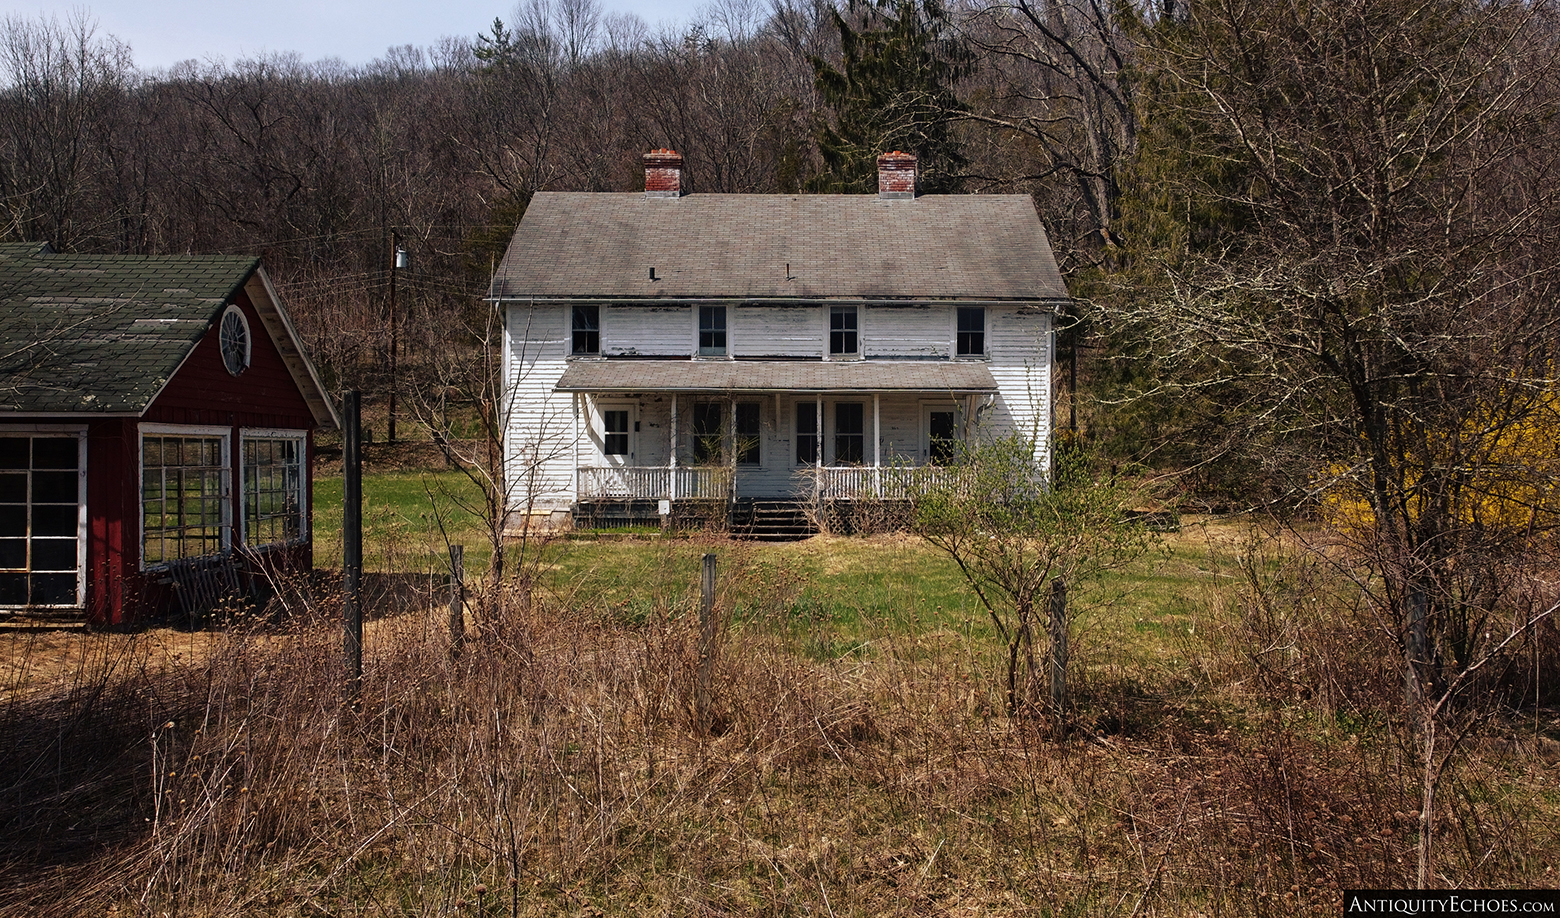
x: 352, y: 545
x: 1058, y: 627
x: 706, y: 643
x: 457, y: 599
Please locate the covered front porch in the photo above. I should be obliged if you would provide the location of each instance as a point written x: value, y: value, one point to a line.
x: 806, y: 431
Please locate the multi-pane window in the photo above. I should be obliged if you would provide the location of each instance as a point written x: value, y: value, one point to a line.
x: 274, y: 490
x: 971, y: 341
x: 849, y: 433
x: 842, y: 330
x: 40, y: 533
x: 614, y: 432
x: 184, y: 486
x: 712, y: 331
x: 707, y: 432
x: 806, y: 433
x: 749, y: 433
x: 586, y: 330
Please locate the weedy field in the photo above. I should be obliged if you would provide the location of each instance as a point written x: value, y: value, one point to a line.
x: 1233, y: 747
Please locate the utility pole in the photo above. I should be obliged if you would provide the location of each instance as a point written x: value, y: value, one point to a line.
x: 398, y: 260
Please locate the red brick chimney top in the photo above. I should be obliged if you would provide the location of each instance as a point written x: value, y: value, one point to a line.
x: 896, y: 175
x: 663, y: 174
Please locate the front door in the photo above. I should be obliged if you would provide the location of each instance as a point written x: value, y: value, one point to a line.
x: 941, y: 428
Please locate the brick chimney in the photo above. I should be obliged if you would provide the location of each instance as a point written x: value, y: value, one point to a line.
x: 896, y: 175
x: 663, y: 174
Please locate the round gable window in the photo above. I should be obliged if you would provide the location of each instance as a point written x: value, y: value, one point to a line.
x: 235, y: 340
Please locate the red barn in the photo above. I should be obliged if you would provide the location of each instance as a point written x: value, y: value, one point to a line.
x: 157, y: 420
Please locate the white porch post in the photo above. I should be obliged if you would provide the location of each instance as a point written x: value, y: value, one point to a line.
x: 575, y: 400
x: 818, y: 444
x: 731, y: 438
x: 877, y: 444
x: 672, y: 491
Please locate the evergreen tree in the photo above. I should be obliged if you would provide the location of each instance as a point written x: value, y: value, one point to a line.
x: 893, y: 91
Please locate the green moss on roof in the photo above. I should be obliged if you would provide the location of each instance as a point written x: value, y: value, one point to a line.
x: 102, y: 334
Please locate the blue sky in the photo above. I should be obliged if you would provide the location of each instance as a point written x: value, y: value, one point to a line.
x: 163, y: 32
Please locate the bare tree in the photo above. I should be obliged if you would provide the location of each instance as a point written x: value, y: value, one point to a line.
x: 1053, y: 87
x: 59, y: 85
x: 1358, y: 203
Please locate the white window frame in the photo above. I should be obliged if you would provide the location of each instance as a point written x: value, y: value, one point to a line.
x: 985, y: 334
x: 225, y: 525
x: 570, y: 329
x: 78, y: 431
x: 301, y: 438
x: 727, y: 314
x: 828, y: 332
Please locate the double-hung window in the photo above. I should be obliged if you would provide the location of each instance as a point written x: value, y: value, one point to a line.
x: 712, y: 331
x: 843, y: 331
x: 849, y: 433
x: 586, y: 330
x: 750, y: 436
x: 806, y: 433
x: 275, y: 489
x: 707, y: 432
x: 614, y: 436
x: 971, y: 335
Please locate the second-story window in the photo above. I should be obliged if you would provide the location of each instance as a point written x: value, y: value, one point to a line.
x: 972, y: 332
x: 712, y: 331
x: 587, y: 330
x: 842, y: 330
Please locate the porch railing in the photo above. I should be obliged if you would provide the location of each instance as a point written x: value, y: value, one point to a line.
x: 715, y: 482
x: 880, y: 483
x: 654, y: 483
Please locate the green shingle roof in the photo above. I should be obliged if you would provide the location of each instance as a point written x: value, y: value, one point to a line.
x: 102, y: 334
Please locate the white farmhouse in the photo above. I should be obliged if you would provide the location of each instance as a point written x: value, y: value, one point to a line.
x: 666, y: 351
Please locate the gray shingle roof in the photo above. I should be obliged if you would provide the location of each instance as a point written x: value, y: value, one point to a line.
x: 102, y: 334
x: 590, y: 245
x: 775, y: 375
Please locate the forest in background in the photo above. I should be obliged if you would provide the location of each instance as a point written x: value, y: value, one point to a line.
x: 313, y: 166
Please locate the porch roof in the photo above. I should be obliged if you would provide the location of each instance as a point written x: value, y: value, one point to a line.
x: 776, y: 376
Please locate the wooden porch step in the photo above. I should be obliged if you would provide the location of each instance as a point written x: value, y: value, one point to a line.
x: 772, y: 521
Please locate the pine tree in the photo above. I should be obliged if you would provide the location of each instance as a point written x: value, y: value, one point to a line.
x: 894, y: 90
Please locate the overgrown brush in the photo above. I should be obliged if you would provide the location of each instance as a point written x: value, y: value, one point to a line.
x: 556, y: 767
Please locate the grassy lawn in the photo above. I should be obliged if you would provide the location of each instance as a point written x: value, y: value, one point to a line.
x: 409, y: 521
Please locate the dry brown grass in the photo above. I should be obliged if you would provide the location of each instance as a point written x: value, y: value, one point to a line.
x: 555, y: 769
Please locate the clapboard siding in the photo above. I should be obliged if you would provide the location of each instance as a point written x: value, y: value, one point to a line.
x: 907, y: 331
x: 647, y: 331
x: 777, y: 331
x: 539, y: 447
